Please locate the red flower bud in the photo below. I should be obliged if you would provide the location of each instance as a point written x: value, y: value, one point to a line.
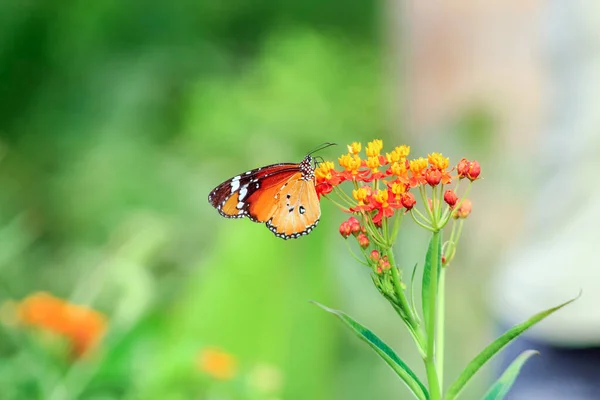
x: 450, y: 197
x: 433, y: 176
x: 464, y: 210
x: 375, y: 255
x: 474, y: 170
x: 463, y: 167
x: 363, y: 240
x: 354, y: 225
x: 384, y: 264
x: 408, y: 200
x: 345, y: 230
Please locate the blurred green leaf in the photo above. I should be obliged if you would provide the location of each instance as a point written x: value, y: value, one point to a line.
x: 384, y: 351
x: 492, y: 349
x: 426, y: 288
x: 501, y: 387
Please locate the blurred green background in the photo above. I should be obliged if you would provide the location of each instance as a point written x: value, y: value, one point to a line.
x: 116, y: 120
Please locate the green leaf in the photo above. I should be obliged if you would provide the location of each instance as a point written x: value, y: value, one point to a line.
x: 426, y: 285
x: 384, y: 351
x: 412, y: 292
x: 495, y: 347
x: 501, y: 387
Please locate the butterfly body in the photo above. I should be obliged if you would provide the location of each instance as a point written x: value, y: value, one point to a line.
x: 282, y: 196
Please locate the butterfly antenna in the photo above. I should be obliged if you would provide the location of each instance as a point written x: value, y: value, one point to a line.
x: 321, y: 147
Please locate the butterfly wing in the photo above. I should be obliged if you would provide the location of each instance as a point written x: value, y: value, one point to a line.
x: 232, y: 197
x: 298, y: 210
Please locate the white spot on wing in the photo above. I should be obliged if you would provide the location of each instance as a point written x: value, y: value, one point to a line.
x: 240, y: 205
x: 235, y: 184
x: 243, y: 192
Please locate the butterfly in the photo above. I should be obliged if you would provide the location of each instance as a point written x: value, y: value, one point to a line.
x: 282, y: 196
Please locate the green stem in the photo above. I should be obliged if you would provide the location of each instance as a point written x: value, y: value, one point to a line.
x: 439, y: 345
x: 422, y: 225
x: 414, y: 326
x: 430, y: 361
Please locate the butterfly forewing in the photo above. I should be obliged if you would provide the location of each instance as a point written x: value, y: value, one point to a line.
x: 230, y: 198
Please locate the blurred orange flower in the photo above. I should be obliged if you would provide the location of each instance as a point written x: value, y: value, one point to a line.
x: 83, y: 327
x: 217, y: 363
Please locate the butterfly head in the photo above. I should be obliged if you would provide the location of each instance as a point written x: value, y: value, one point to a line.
x: 307, y: 168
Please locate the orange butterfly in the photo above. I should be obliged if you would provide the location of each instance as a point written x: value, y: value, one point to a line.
x: 281, y: 195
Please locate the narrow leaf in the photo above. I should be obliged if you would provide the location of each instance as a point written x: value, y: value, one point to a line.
x: 412, y: 292
x: 493, y: 348
x: 426, y: 285
x: 501, y: 387
x: 384, y: 351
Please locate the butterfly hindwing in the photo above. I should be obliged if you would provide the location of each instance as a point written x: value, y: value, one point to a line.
x: 298, y: 210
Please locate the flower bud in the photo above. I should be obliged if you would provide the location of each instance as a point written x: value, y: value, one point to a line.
x: 354, y: 225
x: 433, y: 176
x: 450, y: 197
x: 384, y: 264
x: 463, y: 168
x: 375, y: 255
x: 464, y: 210
x: 408, y: 200
x: 345, y: 229
x: 363, y: 240
x: 474, y: 170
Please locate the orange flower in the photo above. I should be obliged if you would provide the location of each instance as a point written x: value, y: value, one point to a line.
x: 82, y: 326
x: 379, y: 202
x: 326, y: 178
x: 217, y: 363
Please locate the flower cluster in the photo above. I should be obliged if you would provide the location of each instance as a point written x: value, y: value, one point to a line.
x: 83, y: 327
x: 387, y: 185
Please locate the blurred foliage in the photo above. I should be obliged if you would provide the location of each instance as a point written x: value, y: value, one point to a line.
x: 116, y: 120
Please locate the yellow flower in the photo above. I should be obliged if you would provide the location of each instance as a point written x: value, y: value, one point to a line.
x: 374, y: 148
x: 354, y: 148
x: 398, y: 154
x: 217, y: 363
x: 373, y: 163
x: 418, y: 165
x: 398, y: 189
x: 350, y: 162
x: 381, y: 196
x: 360, y: 195
x: 438, y: 161
x: 323, y: 171
x: 399, y: 168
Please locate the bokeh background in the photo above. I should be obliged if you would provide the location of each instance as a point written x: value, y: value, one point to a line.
x: 118, y: 118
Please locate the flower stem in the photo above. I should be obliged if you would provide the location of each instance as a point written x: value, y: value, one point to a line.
x: 439, y: 345
x: 414, y: 326
x: 430, y: 361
